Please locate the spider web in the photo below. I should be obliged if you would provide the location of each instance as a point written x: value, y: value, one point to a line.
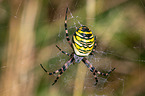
x: 101, y: 60
x: 98, y: 59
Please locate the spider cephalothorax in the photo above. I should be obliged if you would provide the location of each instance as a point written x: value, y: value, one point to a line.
x: 83, y: 43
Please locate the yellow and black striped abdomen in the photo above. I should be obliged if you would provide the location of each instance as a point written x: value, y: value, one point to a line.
x: 83, y: 41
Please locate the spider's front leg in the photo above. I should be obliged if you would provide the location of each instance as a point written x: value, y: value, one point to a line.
x: 50, y: 73
x: 95, y: 76
x: 61, y: 70
x: 66, y: 65
x: 94, y: 71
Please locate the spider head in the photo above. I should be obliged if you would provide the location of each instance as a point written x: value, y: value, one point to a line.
x: 83, y: 41
x: 77, y: 58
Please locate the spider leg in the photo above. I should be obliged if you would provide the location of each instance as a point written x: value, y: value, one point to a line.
x: 66, y: 30
x: 94, y: 48
x: 50, y: 73
x: 104, y: 74
x: 95, y: 76
x: 66, y: 65
x: 63, y: 51
x: 93, y: 70
x: 57, y: 78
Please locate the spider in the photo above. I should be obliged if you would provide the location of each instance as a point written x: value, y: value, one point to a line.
x: 83, y: 44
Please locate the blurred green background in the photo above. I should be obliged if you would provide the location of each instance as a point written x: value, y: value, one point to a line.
x: 30, y: 29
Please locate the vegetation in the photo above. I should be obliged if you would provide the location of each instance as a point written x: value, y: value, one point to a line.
x: 30, y: 29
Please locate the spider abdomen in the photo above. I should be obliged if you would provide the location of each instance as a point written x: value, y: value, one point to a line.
x: 83, y: 41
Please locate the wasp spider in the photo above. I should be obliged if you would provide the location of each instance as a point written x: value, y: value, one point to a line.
x: 83, y: 44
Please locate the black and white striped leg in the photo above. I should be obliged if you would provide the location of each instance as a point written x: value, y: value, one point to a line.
x: 50, y: 73
x: 63, y: 51
x: 95, y: 76
x: 66, y: 65
x: 61, y: 70
x: 94, y: 48
x: 104, y: 74
x: 66, y: 30
x: 92, y: 69
x: 57, y: 77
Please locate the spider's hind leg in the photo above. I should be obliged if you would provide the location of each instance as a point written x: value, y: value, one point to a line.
x: 66, y: 30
